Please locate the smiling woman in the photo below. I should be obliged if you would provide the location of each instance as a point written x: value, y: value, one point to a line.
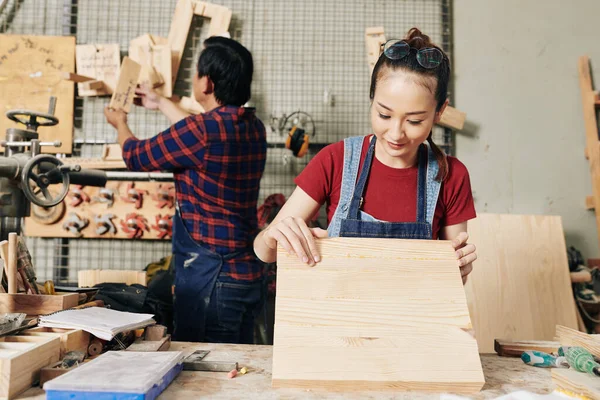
x: 395, y: 183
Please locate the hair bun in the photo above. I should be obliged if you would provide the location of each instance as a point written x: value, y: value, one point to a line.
x: 417, y: 39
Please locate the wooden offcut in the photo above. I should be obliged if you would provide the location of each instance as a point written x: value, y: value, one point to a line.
x: 70, y: 339
x: 578, y: 383
x: 22, y: 358
x: 37, y: 304
x: 453, y: 118
x: 32, y: 67
x: 571, y: 337
x: 90, y: 278
x: 100, y: 62
x: 374, y: 314
x: 510, y: 348
x: 122, y: 97
x: 521, y: 265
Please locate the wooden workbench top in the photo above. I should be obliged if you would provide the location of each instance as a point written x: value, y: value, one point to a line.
x: 502, y: 375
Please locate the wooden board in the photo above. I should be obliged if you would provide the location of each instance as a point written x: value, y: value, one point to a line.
x: 122, y: 97
x: 178, y: 33
x: 21, y: 359
x: 522, y: 265
x: 577, y: 383
x: 32, y: 66
x: 94, y: 163
x: 101, y: 62
x: 220, y: 17
x: 70, y: 339
x: 374, y: 39
x: 509, y: 348
x: 453, y: 118
x: 152, y: 56
x: 92, y: 277
x: 37, y: 304
x: 120, y: 209
x: 372, y: 315
x: 571, y: 337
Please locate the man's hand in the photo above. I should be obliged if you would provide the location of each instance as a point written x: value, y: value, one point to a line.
x: 148, y: 99
x: 115, y: 117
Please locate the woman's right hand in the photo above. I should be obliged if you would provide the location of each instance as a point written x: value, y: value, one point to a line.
x: 149, y: 99
x: 295, y: 237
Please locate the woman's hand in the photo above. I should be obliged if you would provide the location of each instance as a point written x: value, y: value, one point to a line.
x: 295, y: 237
x: 465, y: 253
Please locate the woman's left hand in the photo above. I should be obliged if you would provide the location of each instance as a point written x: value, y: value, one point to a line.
x: 465, y: 254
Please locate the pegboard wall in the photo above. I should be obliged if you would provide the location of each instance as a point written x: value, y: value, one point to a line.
x: 309, y: 56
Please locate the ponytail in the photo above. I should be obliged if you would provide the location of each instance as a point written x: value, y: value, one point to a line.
x: 441, y: 159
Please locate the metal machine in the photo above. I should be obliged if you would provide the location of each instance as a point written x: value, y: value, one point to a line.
x: 26, y: 175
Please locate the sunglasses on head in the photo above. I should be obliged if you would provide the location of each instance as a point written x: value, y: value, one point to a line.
x: 429, y: 57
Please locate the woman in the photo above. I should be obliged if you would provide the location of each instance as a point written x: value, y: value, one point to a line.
x: 395, y: 183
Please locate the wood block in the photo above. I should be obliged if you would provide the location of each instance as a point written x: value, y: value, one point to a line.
x: 20, y: 365
x: 101, y: 62
x: 521, y: 265
x: 372, y: 315
x: 374, y: 39
x: 37, y: 304
x: 578, y: 383
x: 112, y: 152
x: 92, y: 85
x: 571, y: 337
x: 70, y: 339
x: 94, y: 163
x: 122, y: 97
x: 90, y: 278
x: 509, y: 348
x: 453, y: 118
x: 33, y: 66
x: 155, y: 332
x: 162, y: 59
x: 178, y: 33
x: 151, y: 345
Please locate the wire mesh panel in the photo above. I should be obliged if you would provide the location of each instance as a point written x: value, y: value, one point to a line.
x: 309, y: 56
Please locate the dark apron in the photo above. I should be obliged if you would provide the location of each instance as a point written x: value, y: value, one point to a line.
x: 196, y: 273
x: 361, y: 224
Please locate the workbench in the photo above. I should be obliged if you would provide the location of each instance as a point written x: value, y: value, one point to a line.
x: 503, y: 375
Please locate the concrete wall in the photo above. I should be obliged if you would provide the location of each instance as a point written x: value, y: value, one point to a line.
x: 515, y: 68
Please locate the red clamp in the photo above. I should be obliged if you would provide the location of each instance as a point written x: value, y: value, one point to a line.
x: 164, y: 226
x: 77, y: 195
x: 134, y: 225
x: 165, y: 196
x: 135, y: 196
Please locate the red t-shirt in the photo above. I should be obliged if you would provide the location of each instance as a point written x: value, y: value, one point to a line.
x: 321, y: 179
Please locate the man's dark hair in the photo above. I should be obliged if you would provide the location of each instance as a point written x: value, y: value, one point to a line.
x: 229, y: 66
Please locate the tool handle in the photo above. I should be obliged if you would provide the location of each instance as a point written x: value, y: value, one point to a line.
x: 12, y: 263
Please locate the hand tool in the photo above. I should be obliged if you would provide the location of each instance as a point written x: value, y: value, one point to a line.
x: 543, y: 360
x: 582, y: 360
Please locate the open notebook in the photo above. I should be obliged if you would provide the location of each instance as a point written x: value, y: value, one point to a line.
x: 101, y: 322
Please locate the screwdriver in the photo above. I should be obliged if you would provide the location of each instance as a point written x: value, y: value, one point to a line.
x: 582, y: 360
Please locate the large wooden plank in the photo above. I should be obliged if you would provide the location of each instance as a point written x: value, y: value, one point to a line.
x: 178, y: 33
x: 520, y: 286
x: 101, y: 62
x: 31, y: 70
x: 571, y: 337
x: 371, y: 316
x: 122, y: 97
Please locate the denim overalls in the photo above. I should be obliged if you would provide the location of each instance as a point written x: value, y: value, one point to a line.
x: 200, y: 291
x: 349, y: 221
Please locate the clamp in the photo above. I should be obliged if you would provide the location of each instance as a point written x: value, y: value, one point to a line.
x: 134, y: 225
x: 75, y: 224
x: 135, y: 196
x: 78, y: 196
x: 164, y: 226
x: 165, y: 196
x: 104, y: 224
x: 106, y: 196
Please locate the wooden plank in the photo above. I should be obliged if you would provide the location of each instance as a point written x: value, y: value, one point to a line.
x: 151, y: 345
x: 122, y: 97
x: 162, y: 60
x: 578, y: 383
x: 94, y: 163
x: 453, y: 119
x: 101, y: 62
x: 112, y: 152
x: 156, y: 62
x: 509, y: 348
x: 344, y: 324
x: 20, y: 369
x: 571, y: 337
x: 92, y: 85
x: 33, y: 66
x: 374, y: 39
x: 521, y: 265
x: 36, y: 304
x: 178, y: 33
x: 70, y: 339
x: 90, y: 278
x: 220, y: 17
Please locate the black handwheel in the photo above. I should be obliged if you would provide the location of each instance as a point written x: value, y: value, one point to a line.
x: 32, y: 179
x: 33, y: 118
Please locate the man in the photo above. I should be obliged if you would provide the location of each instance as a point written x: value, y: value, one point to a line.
x: 218, y: 158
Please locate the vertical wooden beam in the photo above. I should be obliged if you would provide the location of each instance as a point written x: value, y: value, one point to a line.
x: 588, y: 99
x: 180, y: 27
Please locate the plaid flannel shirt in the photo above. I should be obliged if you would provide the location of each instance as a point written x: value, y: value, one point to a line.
x: 217, y: 159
